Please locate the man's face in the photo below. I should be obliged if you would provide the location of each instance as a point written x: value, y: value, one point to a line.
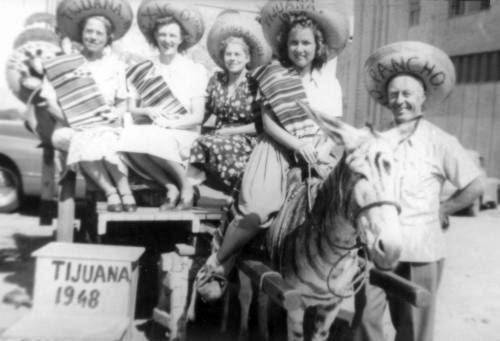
x: 406, y: 97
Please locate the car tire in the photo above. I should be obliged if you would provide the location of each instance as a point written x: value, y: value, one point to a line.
x: 10, y: 189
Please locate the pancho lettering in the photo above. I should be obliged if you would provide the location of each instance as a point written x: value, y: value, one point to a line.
x: 89, y: 273
x: 380, y: 72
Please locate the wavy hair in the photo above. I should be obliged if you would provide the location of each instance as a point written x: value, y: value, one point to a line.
x: 302, y: 20
x: 163, y: 21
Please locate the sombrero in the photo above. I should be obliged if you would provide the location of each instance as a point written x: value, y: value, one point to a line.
x: 23, y: 69
x: 231, y: 23
x: 70, y: 13
x: 188, y: 16
x: 335, y: 26
x: 41, y: 18
x: 423, y: 61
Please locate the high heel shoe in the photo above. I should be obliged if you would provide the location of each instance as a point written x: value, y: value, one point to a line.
x: 188, y: 203
x: 131, y: 206
x: 114, y: 207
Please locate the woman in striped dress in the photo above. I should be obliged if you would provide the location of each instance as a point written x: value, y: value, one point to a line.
x: 291, y: 138
x: 169, y: 92
x: 87, y: 93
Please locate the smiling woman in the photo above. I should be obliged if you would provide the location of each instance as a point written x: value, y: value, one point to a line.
x: 167, y: 92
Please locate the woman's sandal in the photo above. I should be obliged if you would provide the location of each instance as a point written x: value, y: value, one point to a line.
x: 186, y: 204
x: 114, y: 207
x: 129, y: 205
x: 210, y: 285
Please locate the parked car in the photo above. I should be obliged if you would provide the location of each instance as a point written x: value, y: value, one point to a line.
x: 21, y: 165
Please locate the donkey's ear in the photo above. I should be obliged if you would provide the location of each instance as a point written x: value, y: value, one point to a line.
x: 341, y: 132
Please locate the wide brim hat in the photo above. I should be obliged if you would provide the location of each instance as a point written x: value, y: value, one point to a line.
x: 32, y: 44
x: 233, y: 24
x: 189, y: 17
x: 71, y: 13
x: 276, y: 14
x: 426, y: 62
x: 45, y: 19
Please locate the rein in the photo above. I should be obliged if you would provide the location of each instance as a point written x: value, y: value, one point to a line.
x: 363, y: 270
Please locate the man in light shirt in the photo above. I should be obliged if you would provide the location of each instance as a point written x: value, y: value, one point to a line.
x: 408, y: 77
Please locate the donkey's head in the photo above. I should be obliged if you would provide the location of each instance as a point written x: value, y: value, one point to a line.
x: 368, y: 179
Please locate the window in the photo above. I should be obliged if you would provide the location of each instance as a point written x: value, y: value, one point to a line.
x: 464, y: 7
x: 414, y: 12
x: 477, y: 67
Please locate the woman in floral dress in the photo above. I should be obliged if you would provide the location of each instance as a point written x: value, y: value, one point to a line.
x: 231, y: 99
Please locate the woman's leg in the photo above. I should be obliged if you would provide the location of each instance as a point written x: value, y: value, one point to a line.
x: 178, y: 174
x: 96, y: 171
x: 143, y: 163
x: 238, y: 234
x: 121, y: 181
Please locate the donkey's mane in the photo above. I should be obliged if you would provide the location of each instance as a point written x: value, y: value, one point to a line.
x: 334, y: 197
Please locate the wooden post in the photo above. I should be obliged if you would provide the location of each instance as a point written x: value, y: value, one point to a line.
x: 47, y: 190
x: 400, y: 287
x: 66, y: 208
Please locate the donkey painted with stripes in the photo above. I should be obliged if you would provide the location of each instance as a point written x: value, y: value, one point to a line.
x: 316, y: 237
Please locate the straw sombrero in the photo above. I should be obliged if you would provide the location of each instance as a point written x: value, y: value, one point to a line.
x: 188, y: 16
x: 43, y: 19
x: 335, y: 26
x: 233, y: 24
x: 70, y: 14
x: 426, y: 62
x: 23, y: 69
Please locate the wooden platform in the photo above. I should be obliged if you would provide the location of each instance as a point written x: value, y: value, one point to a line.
x: 196, y: 215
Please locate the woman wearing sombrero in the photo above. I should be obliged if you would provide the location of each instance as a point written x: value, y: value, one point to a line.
x: 170, y: 91
x: 237, y: 45
x: 87, y: 93
x: 303, y: 38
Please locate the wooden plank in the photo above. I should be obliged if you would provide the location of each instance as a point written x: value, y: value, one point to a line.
x: 468, y: 131
x: 272, y: 284
x: 400, y: 287
x: 66, y: 208
x: 47, y: 192
x: 493, y: 160
x: 485, y: 115
x: 456, y: 111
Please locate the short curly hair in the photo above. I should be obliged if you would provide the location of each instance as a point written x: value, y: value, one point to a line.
x: 236, y: 40
x: 108, y: 25
x: 163, y: 21
x: 302, y: 20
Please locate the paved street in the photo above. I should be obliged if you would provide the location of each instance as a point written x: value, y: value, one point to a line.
x: 469, y: 300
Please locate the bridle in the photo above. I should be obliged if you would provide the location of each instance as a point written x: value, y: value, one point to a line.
x: 362, y: 275
x: 379, y: 203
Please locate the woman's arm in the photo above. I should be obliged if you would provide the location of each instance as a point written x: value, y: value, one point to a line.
x: 305, y: 149
x: 191, y: 120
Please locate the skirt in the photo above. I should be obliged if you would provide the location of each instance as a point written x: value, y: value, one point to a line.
x: 264, y: 183
x: 95, y: 144
x: 222, y: 157
x: 168, y: 144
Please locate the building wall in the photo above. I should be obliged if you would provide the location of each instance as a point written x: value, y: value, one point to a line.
x: 472, y: 111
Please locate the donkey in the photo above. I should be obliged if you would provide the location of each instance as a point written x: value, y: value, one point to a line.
x: 356, y: 206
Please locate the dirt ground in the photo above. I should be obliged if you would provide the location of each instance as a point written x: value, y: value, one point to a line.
x: 468, y: 301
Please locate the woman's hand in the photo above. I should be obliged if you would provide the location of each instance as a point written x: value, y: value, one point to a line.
x: 308, y: 153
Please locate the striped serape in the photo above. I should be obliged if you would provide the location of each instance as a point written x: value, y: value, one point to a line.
x: 153, y: 90
x: 77, y: 92
x: 281, y: 87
